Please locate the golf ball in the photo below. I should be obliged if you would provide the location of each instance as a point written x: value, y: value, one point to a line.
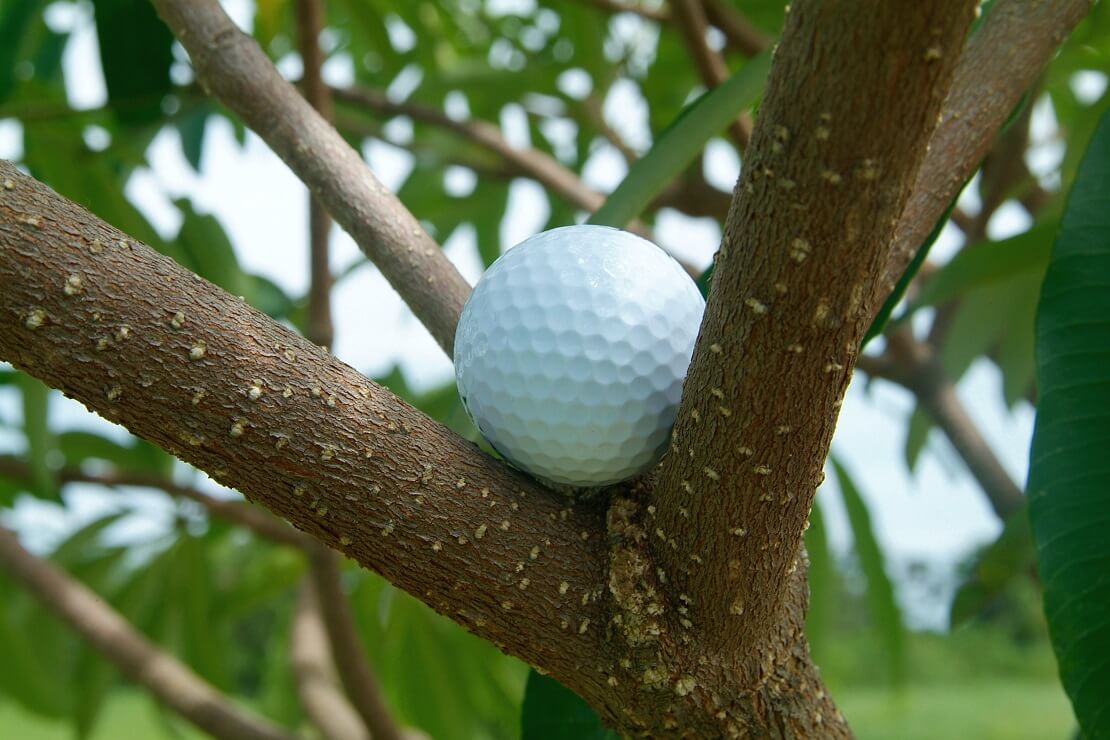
x: 571, y: 353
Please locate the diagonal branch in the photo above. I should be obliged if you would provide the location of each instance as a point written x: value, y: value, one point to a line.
x: 1002, y: 61
x: 244, y: 515
x: 692, y: 25
x: 313, y: 673
x: 915, y: 366
x: 202, y: 374
x: 741, y: 34
x: 828, y: 172
x: 346, y: 647
x: 172, y: 683
x: 230, y: 65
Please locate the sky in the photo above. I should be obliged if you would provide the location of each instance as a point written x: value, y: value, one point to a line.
x: 936, y: 515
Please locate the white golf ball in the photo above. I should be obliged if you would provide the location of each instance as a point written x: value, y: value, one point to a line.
x: 571, y: 353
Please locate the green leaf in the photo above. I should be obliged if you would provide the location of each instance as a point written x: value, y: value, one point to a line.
x: 885, y: 613
x: 78, y: 446
x: 207, y: 249
x: 987, y: 262
x: 15, y: 20
x: 41, y: 444
x: 1010, y: 555
x: 681, y: 143
x: 135, y: 54
x: 191, y: 128
x: 917, y: 436
x: 1069, y: 470
x: 553, y: 712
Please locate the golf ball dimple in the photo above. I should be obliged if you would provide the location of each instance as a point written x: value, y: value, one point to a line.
x: 571, y: 352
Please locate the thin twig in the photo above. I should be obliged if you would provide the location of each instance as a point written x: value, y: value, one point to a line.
x: 692, y: 25
x: 143, y: 662
x: 314, y: 673
x: 246, y: 515
x: 230, y: 65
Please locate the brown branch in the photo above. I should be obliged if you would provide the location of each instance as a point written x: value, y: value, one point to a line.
x: 244, y: 515
x: 327, y: 589
x: 1003, y: 59
x: 741, y: 34
x: 310, y: 23
x: 915, y: 366
x: 174, y: 685
x: 202, y: 374
x: 532, y: 163
x: 827, y: 173
x: 346, y: 647
x: 230, y: 65
x: 692, y: 25
x: 616, y: 6
x: 313, y: 673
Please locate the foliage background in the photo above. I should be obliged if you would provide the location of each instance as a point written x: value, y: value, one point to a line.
x: 560, y: 77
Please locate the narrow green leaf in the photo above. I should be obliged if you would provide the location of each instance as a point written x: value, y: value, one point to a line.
x: 681, y: 142
x: 1069, y: 473
x: 41, y: 444
x: 135, y: 54
x: 191, y: 128
x: 553, y: 712
x: 78, y: 446
x: 988, y: 262
x: 208, y: 250
x: 883, y: 607
x: 917, y: 436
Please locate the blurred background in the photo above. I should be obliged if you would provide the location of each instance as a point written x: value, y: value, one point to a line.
x: 926, y: 617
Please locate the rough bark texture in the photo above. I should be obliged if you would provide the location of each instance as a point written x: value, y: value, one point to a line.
x: 230, y: 66
x: 1016, y: 40
x: 174, y: 359
x: 854, y: 94
x: 167, y: 679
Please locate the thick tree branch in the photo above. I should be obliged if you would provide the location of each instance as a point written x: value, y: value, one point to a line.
x: 692, y: 25
x: 230, y: 65
x: 829, y: 170
x: 314, y: 673
x: 198, y: 372
x: 346, y: 647
x: 915, y: 366
x: 1003, y: 59
x: 242, y: 514
x: 172, y: 683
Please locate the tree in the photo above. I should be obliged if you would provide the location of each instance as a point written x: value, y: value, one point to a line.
x: 674, y: 604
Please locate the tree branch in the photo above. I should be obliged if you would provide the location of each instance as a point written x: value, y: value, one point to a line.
x: 692, y: 25
x: 1002, y: 60
x: 346, y: 647
x: 172, y: 683
x: 741, y: 35
x: 236, y: 512
x: 313, y: 673
x: 830, y: 168
x: 205, y: 376
x: 310, y: 23
x: 230, y: 65
x: 915, y: 366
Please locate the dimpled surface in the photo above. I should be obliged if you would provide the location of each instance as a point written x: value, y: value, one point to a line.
x: 571, y: 352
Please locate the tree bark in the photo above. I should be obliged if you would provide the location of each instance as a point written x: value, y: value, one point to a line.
x: 827, y: 175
